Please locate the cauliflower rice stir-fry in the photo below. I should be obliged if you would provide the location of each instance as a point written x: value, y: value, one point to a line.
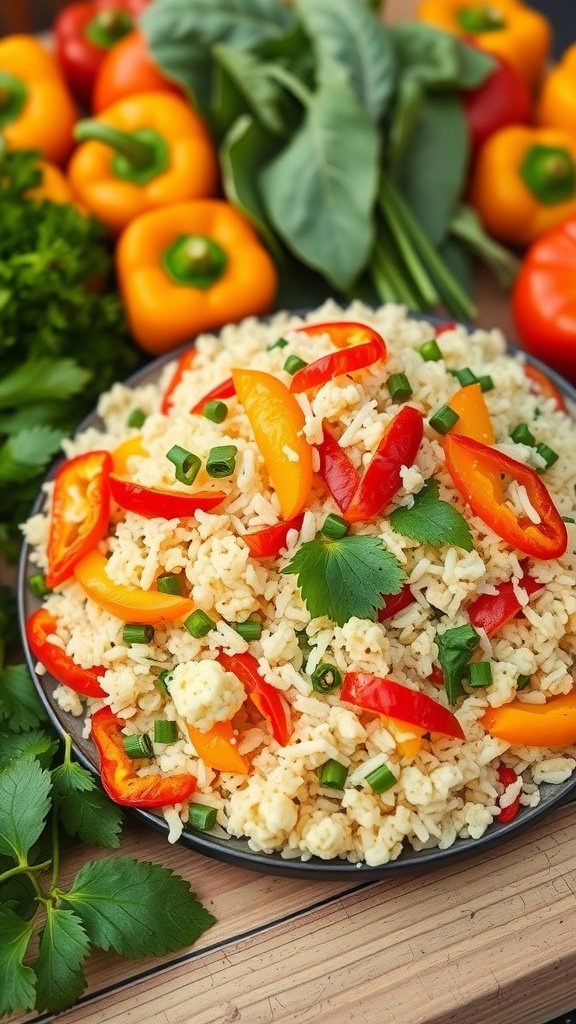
x: 333, y: 607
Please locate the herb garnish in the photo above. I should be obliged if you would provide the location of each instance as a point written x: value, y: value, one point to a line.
x: 455, y: 648
x: 430, y: 520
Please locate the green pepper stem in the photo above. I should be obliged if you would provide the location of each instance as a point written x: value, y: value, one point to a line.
x: 140, y: 154
x: 13, y: 95
x: 483, y: 18
x: 549, y: 173
x: 195, y: 260
x: 108, y: 27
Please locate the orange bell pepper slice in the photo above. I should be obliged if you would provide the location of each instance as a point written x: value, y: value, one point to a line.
x: 474, y: 421
x: 217, y: 749
x: 127, y: 603
x: 125, y: 451
x: 277, y: 421
x: 79, y: 513
x: 552, y: 724
x: 409, y: 747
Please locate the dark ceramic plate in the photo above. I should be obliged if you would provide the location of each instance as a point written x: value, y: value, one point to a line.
x: 237, y: 851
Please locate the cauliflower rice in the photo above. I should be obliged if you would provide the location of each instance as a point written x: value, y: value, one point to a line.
x: 447, y: 788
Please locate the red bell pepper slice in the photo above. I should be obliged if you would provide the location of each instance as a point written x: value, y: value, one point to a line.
x: 337, y: 471
x: 386, y: 697
x: 471, y: 465
x: 396, y: 603
x: 118, y: 774
x: 84, y: 681
x: 448, y: 326
x: 540, y: 384
x: 224, y: 390
x: 270, y: 703
x: 156, y: 502
x: 269, y: 542
x: 345, y: 335
x: 491, y: 611
x: 507, y: 776
x: 184, y: 363
x: 381, y: 481
x: 436, y: 676
x: 80, y: 512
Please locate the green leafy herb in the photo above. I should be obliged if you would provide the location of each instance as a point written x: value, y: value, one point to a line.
x: 36, y: 742
x: 430, y: 520
x: 83, y: 809
x: 64, y: 947
x: 24, y: 805
x: 19, y: 705
x: 17, y: 982
x: 455, y: 648
x: 347, y: 577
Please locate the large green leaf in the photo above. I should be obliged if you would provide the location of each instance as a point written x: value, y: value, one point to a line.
x: 246, y: 149
x: 250, y: 76
x: 24, y: 804
x: 320, y: 190
x: 349, y: 40
x: 437, y: 58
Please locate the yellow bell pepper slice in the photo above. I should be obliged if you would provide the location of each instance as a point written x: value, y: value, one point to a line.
x: 127, y: 603
x: 552, y: 724
x: 474, y: 421
x: 125, y: 451
x: 409, y: 746
x: 277, y: 421
x: 216, y: 748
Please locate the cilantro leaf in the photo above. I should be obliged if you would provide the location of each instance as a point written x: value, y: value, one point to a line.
x: 18, y: 894
x: 135, y: 907
x: 64, y: 947
x: 24, y: 804
x: 17, y: 982
x: 430, y: 520
x: 20, y: 706
x: 346, y: 577
x: 36, y: 742
x: 41, y: 379
x: 25, y: 454
x: 455, y: 648
x: 83, y: 809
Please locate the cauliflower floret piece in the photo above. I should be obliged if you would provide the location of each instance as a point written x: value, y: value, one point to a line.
x: 204, y: 693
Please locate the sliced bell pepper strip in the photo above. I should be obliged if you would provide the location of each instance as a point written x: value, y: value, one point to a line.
x: 127, y: 603
x: 269, y: 542
x: 184, y: 363
x: 224, y: 390
x: 436, y: 677
x: 336, y: 469
x: 360, y: 346
x: 381, y: 481
x: 386, y: 697
x: 118, y: 774
x: 217, y: 749
x: 277, y: 422
x: 507, y: 776
x: 552, y: 724
x: 540, y: 384
x: 472, y: 465
x: 491, y: 611
x: 79, y: 513
x: 39, y: 627
x: 270, y: 703
x: 473, y: 416
x: 153, y: 502
x: 121, y: 454
x: 396, y: 603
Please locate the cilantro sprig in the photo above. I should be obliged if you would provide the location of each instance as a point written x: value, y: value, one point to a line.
x: 430, y: 520
x: 347, y: 577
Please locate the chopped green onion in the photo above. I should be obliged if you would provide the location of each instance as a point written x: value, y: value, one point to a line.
x: 279, y: 343
x: 248, y: 630
x: 444, y: 419
x: 201, y: 817
x: 333, y: 774
x: 399, y: 387
x: 523, y: 435
x: 169, y: 583
x: 567, y: 519
x: 138, y: 746
x: 465, y: 376
x: 136, y: 418
x: 430, y: 351
x: 381, y: 779
x: 134, y: 633
x: 164, y: 680
x: 326, y: 678
x: 37, y: 584
x: 215, y: 411
x: 480, y: 673
x: 164, y: 731
x: 486, y: 382
x: 548, y: 454
x: 335, y: 527
x: 522, y: 681
x: 186, y: 464
x: 199, y: 624
x: 221, y: 460
x: 294, y: 363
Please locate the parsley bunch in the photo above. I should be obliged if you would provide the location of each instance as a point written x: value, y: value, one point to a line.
x: 134, y: 907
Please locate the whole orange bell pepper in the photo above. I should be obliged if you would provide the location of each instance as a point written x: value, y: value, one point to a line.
x: 556, y: 106
x: 524, y: 182
x: 127, y: 603
x: 552, y: 724
x: 145, y: 151
x: 189, y: 268
x: 507, y: 28
x: 36, y: 109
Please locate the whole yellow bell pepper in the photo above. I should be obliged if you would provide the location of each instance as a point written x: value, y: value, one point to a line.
x: 127, y: 603
x: 524, y: 182
x: 556, y: 107
x: 146, y: 151
x: 507, y: 28
x: 188, y: 268
x: 36, y: 109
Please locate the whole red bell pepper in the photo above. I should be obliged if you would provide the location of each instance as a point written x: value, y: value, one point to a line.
x: 381, y: 481
x: 224, y: 390
x: 84, y: 681
x: 118, y: 775
x: 270, y: 703
x: 269, y: 542
x: 156, y: 502
x: 360, y: 346
x: 184, y: 363
x: 336, y: 469
x: 83, y: 34
x: 492, y: 611
x: 386, y: 697
x: 502, y: 99
x: 472, y: 465
x: 79, y: 514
